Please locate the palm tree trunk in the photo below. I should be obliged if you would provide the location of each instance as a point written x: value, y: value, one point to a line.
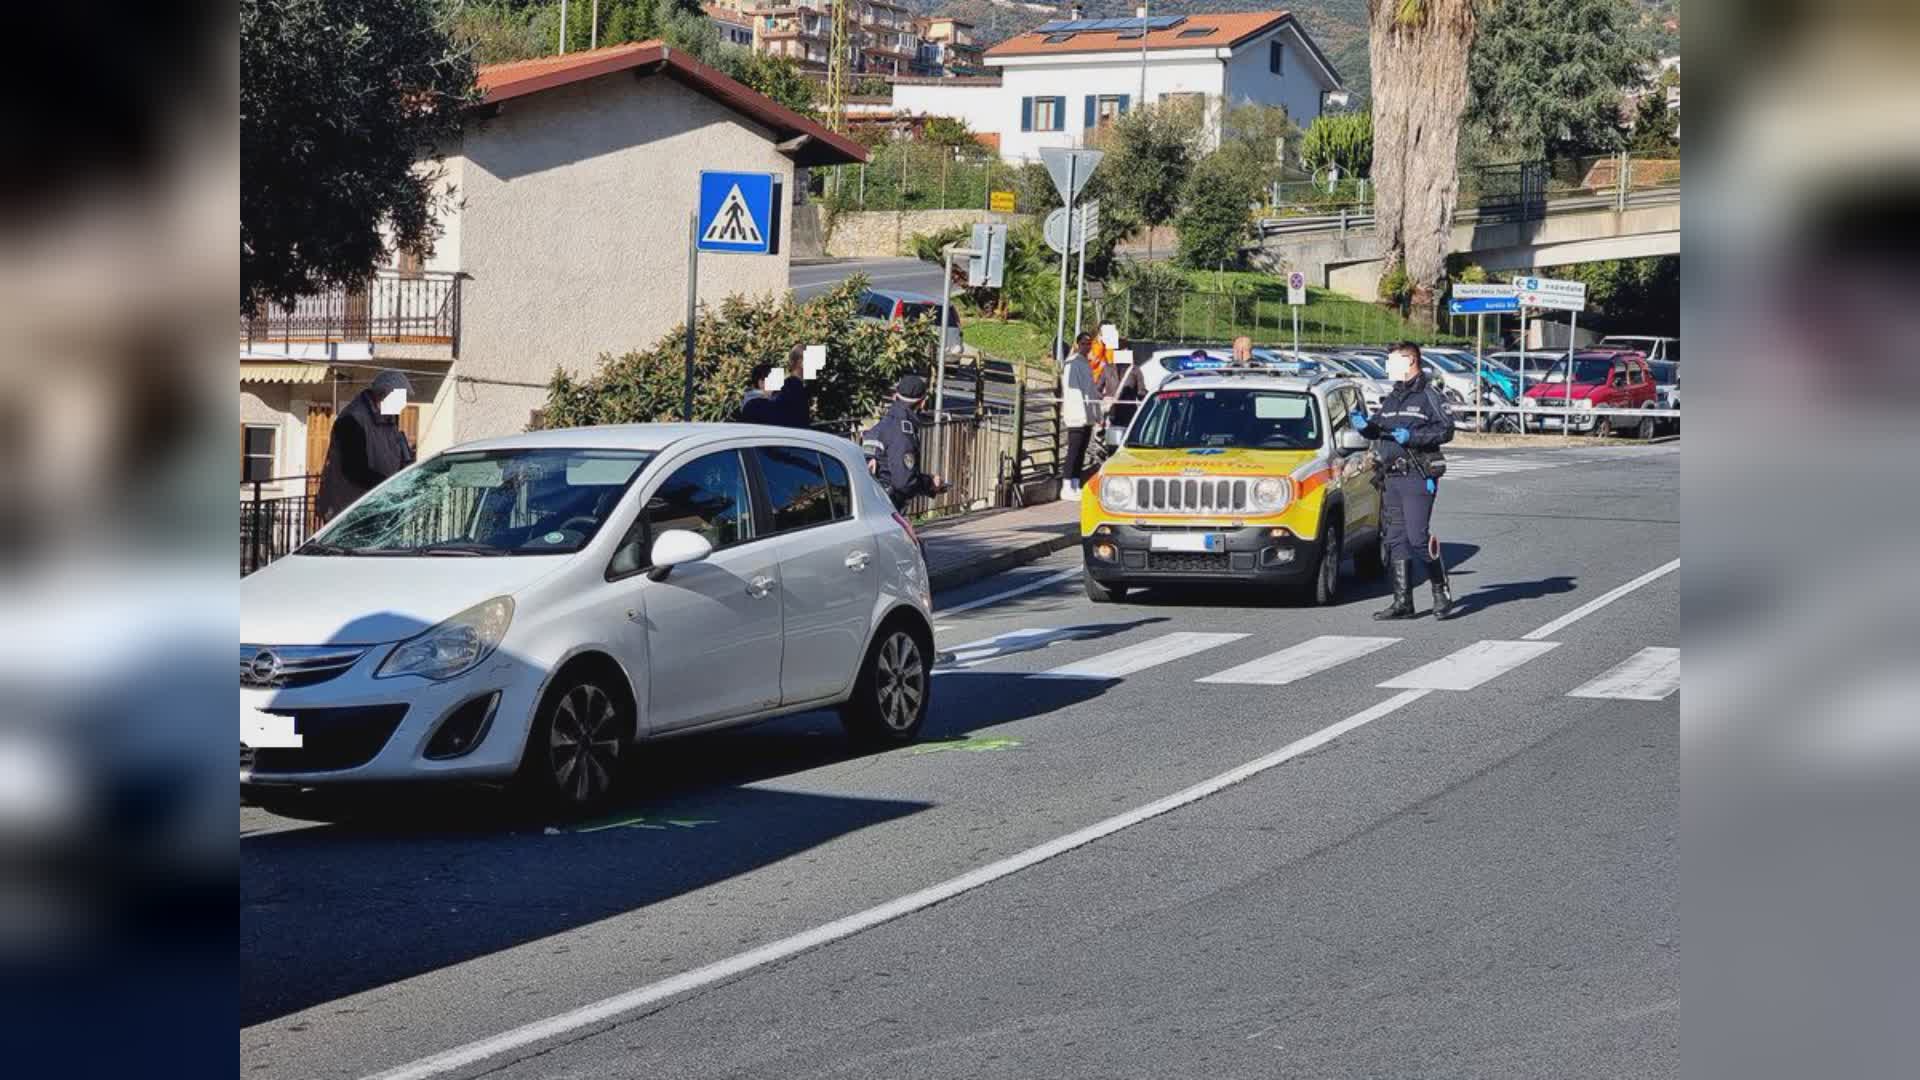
x: 1419, y: 54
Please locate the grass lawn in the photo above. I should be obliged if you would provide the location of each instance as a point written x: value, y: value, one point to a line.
x: 1007, y: 340
x: 1216, y: 307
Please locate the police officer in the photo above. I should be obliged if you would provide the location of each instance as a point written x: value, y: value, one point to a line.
x: 894, y: 443
x: 1407, y: 434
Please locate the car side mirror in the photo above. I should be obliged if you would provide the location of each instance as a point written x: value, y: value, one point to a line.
x: 1114, y: 436
x: 1350, y: 440
x: 677, y: 547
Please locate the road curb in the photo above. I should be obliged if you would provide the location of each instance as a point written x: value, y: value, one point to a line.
x: 1005, y: 559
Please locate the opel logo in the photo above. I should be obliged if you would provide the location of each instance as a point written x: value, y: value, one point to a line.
x: 264, y: 668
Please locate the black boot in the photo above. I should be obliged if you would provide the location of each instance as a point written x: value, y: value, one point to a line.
x: 1442, y: 593
x: 1402, y: 606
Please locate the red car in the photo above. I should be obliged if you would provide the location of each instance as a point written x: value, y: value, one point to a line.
x: 1608, y: 379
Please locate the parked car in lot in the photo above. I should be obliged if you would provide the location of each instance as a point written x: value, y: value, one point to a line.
x: 530, y: 608
x: 1599, y: 380
x: 1531, y: 365
x: 1369, y: 376
x: 1652, y: 348
x: 1236, y: 477
x: 895, y: 308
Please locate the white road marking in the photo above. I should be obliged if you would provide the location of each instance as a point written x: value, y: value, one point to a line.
x: 608, y: 1009
x: 1652, y: 674
x: 1471, y: 666
x: 1296, y: 663
x: 986, y: 650
x: 1599, y: 602
x: 1151, y: 653
x: 1019, y: 590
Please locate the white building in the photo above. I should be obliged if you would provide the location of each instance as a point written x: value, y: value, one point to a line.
x: 1066, y: 79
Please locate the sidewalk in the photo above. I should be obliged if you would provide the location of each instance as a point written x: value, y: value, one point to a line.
x: 978, y: 545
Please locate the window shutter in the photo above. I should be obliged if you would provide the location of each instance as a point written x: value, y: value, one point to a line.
x: 1276, y: 54
x: 1092, y: 103
x: 1059, y: 113
x: 1126, y: 102
x: 1026, y: 114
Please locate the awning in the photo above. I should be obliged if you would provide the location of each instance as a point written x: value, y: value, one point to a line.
x: 283, y: 371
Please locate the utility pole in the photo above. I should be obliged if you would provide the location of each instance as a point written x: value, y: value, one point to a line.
x: 563, y: 27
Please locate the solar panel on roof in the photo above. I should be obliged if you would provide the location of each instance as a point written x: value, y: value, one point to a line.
x: 1049, y: 27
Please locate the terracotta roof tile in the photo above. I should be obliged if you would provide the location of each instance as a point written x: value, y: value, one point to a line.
x: 504, y: 82
x: 1230, y: 28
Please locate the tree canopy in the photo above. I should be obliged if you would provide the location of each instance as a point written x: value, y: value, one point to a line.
x: 338, y: 98
x: 1547, y: 76
x: 1343, y: 139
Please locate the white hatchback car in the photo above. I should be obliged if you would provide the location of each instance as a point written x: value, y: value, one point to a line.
x: 531, y: 607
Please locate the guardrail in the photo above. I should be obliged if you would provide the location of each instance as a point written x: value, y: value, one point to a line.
x: 1347, y: 220
x: 1599, y: 420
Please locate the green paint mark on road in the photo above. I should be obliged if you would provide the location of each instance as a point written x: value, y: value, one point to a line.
x: 975, y: 745
x: 659, y: 824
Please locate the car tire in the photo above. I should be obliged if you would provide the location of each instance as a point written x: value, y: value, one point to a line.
x: 1103, y: 594
x: 1647, y: 429
x: 1371, y: 562
x: 1326, y: 570
x: 579, y: 746
x: 891, y: 696
x: 1603, y: 428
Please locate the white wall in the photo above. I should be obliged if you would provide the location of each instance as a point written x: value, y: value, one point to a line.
x: 1297, y: 88
x: 1075, y: 78
x: 977, y: 104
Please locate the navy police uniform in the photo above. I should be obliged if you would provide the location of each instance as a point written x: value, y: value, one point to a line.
x: 894, y: 442
x: 1409, y: 477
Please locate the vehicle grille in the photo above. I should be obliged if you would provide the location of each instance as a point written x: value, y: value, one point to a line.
x: 1192, y: 495
x: 331, y: 739
x: 1190, y: 562
x: 274, y: 667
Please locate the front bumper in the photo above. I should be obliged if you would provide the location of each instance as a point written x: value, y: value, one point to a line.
x: 1260, y: 554
x: 1557, y: 418
x: 355, y: 728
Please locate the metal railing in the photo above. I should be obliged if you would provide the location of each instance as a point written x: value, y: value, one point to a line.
x: 1518, y: 191
x: 273, y: 523
x: 1181, y: 315
x: 391, y: 307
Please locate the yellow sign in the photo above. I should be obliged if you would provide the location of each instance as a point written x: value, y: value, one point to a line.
x: 1002, y: 202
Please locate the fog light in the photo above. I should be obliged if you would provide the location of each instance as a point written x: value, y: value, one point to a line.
x: 1276, y: 556
x: 1104, y: 552
x: 1277, y: 533
x: 461, y: 731
x: 1104, y: 530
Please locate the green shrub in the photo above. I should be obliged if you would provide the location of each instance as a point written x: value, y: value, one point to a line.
x: 864, y: 360
x: 1396, y: 287
x: 1216, y: 216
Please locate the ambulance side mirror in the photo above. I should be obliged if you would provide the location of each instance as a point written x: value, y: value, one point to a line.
x: 1349, y: 441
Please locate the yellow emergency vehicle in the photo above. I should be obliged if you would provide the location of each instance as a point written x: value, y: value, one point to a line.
x: 1235, y: 475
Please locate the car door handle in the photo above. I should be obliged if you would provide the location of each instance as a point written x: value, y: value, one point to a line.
x: 759, y: 587
x: 858, y: 560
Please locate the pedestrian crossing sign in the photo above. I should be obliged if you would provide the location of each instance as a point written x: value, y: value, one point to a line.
x: 739, y: 212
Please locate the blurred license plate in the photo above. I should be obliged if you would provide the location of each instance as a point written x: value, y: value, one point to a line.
x: 1188, y: 542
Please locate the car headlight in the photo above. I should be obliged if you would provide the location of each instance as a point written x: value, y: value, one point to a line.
x: 1116, y: 493
x: 453, y: 647
x: 1583, y: 403
x: 1272, y: 493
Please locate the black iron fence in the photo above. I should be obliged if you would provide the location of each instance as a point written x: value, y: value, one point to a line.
x: 276, y: 516
x: 419, y: 308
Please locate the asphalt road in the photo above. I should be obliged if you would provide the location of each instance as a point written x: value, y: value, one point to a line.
x: 905, y: 275
x: 1474, y: 881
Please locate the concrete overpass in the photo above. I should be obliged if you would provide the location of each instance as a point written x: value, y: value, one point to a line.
x: 1340, y: 252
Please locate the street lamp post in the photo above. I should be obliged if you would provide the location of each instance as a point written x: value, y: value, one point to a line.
x: 1142, y: 10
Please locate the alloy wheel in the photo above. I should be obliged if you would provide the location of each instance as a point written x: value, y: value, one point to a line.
x: 900, y: 681
x: 583, y: 747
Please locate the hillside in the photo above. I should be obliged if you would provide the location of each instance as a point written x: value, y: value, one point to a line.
x: 1338, y: 26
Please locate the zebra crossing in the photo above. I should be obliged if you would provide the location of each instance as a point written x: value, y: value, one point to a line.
x: 1650, y: 674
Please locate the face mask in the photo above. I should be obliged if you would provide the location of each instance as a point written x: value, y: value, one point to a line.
x: 1400, y: 367
x: 393, y: 403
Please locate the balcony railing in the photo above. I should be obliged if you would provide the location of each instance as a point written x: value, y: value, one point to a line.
x: 392, y: 307
x: 273, y: 524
